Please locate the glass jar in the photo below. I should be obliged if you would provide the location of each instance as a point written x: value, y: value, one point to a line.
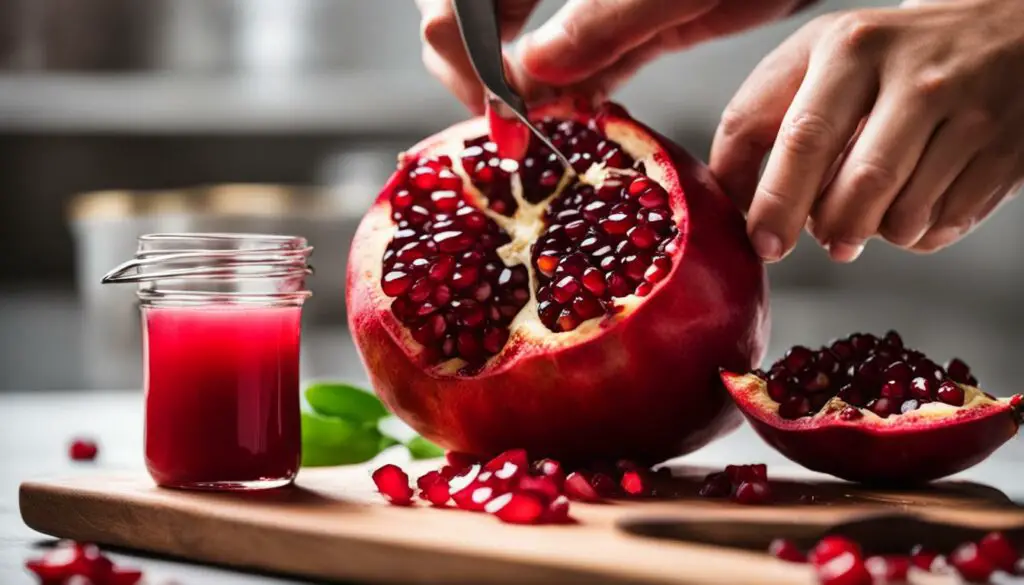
x: 221, y: 320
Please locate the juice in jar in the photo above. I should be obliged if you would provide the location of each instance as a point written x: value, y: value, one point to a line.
x: 222, y: 395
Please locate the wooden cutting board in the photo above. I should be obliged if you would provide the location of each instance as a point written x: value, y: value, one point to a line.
x: 332, y: 525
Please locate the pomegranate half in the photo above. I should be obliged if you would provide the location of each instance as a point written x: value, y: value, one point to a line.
x: 501, y: 303
x: 871, y: 410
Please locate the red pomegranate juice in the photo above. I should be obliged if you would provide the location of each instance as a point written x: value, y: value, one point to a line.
x: 222, y: 396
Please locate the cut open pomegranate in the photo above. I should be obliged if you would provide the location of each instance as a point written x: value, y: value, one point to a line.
x: 870, y: 409
x: 502, y: 303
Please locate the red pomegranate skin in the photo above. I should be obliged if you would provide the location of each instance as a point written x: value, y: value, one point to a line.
x: 903, y: 449
x: 643, y: 386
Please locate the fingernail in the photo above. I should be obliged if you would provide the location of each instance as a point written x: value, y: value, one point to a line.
x: 845, y: 250
x: 767, y: 245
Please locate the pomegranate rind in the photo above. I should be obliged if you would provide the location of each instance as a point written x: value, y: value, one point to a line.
x: 640, y: 384
x: 932, y: 442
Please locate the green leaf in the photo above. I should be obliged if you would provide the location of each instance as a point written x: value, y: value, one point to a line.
x: 345, y: 401
x: 421, y: 448
x: 335, y: 441
x: 387, y: 442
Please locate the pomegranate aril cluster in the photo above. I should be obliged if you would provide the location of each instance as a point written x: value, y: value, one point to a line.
x: 880, y: 374
x: 839, y: 561
x: 75, y: 562
x: 508, y: 487
x: 540, y: 170
x: 744, y: 484
x: 601, y: 243
x: 451, y: 289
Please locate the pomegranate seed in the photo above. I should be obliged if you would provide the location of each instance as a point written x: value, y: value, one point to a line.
x: 923, y: 389
x: 639, y: 186
x: 843, y: 349
x: 656, y: 272
x: 637, y: 483
x: 950, y: 393
x: 420, y: 290
x: 565, y: 289
x: 969, y: 562
x: 551, y: 469
x: 653, y: 198
x: 797, y: 358
x: 958, y: 370
x: 557, y: 511
x: 888, y: 569
x: 464, y: 277
x: 437, y: 494
x: 753, y: 493
x: 587, y: 307
x: 393, y: 484
x: 593, y: 281
x: 453, y: 241
x: 516, y: 457
x: 546, y: 263
x: 998, y: 550
x: 642, y: 236
x: 863, y: 343
x: 883, y: 407
x: 83, y: 450
x: 778, y: 389
x: 401, y: 199
x: 424, y: 178
x: 567, y: 321
x: 786, y: 550
x: 811, y: 380
x: 578, y: 487
x: 494, y: 339
x: 831, y: 547
x: 894, y: 390
x: 716, y: 485
x: 844, y: 569
x: 516, y: 508
x: 542, y: 486
x: 794, y: 407
x: 923, y: 558
x: 616, y: 223
x: 446, y: 201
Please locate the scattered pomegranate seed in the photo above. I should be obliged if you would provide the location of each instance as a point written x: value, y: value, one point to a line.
x: 923, y: 558
x: 637, y: 483
x: 888, y: 569
x: 393, y: 484
x: 844, y: 569
x: 557, y: 511
x: 716, y: 485
x: 578, y: 487
x: 72, y: 562
x: 753, y: 493
x: 517, y: 508
x: 998, y: 550
x: 83, y: 450
x: 832, y: 546
x: 969, y: 562
x: 543, y: 486
x: 786, y: 550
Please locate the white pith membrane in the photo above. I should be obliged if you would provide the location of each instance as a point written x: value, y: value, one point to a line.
x: 524, y: 227
x: 755, y: 390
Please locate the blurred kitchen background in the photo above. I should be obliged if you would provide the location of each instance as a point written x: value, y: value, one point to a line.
x: 121, y: 117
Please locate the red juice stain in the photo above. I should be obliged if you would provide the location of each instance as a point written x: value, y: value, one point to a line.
x: 222, y: 395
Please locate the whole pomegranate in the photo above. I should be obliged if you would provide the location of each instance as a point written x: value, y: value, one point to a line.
x: 501, y: 303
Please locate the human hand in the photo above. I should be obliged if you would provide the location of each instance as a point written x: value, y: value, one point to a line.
x: 589, y: 46
x: 906, y: 123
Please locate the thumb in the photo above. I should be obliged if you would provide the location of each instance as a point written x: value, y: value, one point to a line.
x: 585, y: 36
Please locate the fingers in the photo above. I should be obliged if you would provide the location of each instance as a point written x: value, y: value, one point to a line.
x: 586, y: 36
x: 444, y: 54
x: 752, y: 119
x: 953, y: 146
x: 872, y: 175
x: 984, y: 183
x: 835, y: 94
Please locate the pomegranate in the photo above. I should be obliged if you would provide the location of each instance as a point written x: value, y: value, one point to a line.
x: 501, y: 303
x: 870, y: 409
x: 786, y: 550
x: 746, y: 484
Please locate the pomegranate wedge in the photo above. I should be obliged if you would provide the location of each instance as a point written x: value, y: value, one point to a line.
x: 869, y: 409
x: 501, y: 303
